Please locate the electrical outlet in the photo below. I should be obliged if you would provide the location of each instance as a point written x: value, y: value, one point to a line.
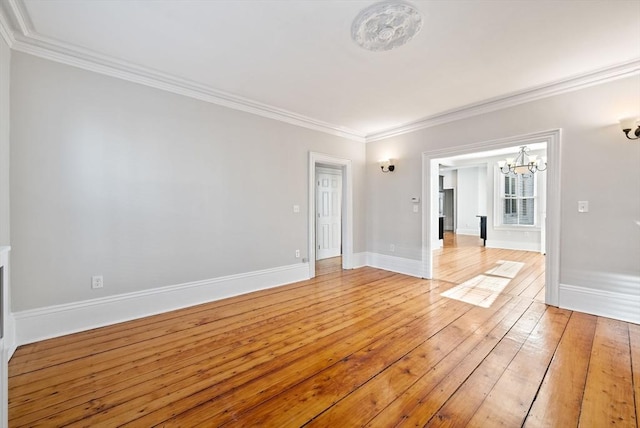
x: 297, y: 254
x: 583, y: 206
x: 392, y: 247
x: 97, y: 282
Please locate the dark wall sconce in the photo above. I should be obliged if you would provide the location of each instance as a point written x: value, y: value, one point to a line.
x: 630, y: 125
x: 387, y: 165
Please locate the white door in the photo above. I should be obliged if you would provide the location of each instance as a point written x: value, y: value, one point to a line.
x: 328, y: 213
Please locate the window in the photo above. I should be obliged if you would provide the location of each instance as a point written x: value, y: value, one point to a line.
x: 518, y: 199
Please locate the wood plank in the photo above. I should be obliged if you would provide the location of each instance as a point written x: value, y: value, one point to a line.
x: 99, y: 335
x: 358, y: 347
x: 510, y: 398
x: 429, y: 392
x: 608, y: 395
x: 183, y: 383
x: 566, y: 377
x: 370, y: 399
x: 84, y: 344
x: 242, y: 392
x: 238, y: 345
x: 308, y: 398
x: 463, y: 391
x: 634, y: 339
x: 245, y: 320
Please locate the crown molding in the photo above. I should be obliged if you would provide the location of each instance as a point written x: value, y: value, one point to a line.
x: 5, y: 27
x: 59, y: 52
x: 25, y: 39
x: 543, y: 91
x: 17, y: 31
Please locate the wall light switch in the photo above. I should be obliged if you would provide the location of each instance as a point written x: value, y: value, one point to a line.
x: 583, y: 206
x: 415, y: 208
x: 296, y: 208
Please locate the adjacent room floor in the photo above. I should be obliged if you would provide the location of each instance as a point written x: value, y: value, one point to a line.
x: 476, y: 347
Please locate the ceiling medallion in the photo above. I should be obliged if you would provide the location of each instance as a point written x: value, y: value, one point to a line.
x: 385, y: 26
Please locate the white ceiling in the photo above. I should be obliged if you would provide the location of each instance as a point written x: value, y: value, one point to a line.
x: 296, y: 58
x: 481, y: 158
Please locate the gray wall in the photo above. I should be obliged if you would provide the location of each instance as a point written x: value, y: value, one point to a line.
x: 150, y: 188
x: 471, y: 198
x: 598, y: 164
x: 5, y: 59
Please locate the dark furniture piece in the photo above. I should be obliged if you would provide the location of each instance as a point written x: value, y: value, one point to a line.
x: 441, y: 227
x: 483, y: 228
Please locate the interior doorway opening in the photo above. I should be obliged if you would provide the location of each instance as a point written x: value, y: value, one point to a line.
x: 550, y: 220
x: 319, y: 164
x: 503, y: 210
x: 328, y: 212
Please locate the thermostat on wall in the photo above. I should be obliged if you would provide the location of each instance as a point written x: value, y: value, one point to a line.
x: 415, y: 200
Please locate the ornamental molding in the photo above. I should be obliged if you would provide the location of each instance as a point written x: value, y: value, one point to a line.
x: 385, y: 26
x: 17, y: 32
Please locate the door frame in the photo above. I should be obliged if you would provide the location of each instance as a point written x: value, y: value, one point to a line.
x: 336, y: 172
x: 430, y: 172
x: 319, y: 159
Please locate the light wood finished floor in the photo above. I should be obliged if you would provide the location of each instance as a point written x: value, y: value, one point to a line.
x: 365, y: 347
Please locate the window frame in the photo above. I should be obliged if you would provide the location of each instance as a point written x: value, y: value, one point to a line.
x: 500, y: 201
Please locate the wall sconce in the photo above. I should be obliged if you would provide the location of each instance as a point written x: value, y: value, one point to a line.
x: 386, y: 165
x: 628, y: 126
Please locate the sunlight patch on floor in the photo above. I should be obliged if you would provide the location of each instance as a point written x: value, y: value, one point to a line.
x: 483, y: 290
x: 506, y: 269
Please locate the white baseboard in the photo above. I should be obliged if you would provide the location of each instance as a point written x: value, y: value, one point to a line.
x: 359, y: 260
x: 610, y: 304
x: 10, y: 336
x: 396, y: 264
x: 53, y: 321
x: 510, y: 245
x: 473, y: 232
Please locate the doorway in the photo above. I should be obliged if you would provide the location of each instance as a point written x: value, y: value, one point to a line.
x: 328, y: 212
x: 550, y: 222
x: 319, y: 162
x: 448, y: 210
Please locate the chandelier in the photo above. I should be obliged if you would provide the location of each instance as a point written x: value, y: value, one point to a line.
x: 524, y: 163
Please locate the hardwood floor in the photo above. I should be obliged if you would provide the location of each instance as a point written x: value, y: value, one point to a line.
x: 330, y: 265
x: 364, y: 347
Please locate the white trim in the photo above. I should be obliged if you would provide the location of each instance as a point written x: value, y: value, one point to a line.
x: 347, y: 208
x: 359, y: 260
x: 514, y: 245
x: 53, y: 321
x: 557, y: 87
x: 21, y: 17
x: 610, y: 304
x: 395, y: 264
x: 5, y: 29
x: 111, y: 67
x: 29, y: 41
x: 500, y: 198
x: 430, y: 194
x: 7, y: 343
x: 472, y: 232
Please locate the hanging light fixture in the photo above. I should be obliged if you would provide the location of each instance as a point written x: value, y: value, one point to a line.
x: 524, y: 163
